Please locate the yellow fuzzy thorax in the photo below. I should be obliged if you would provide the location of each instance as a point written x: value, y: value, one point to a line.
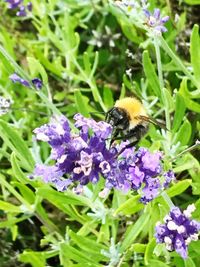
x: 133, y: 107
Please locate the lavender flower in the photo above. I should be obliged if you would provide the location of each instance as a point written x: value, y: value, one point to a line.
x: 155, y: 21
x: 84, y: 156
x: 12, y: 4
x: 17, y: 79
x: 178, y: 230
x: 21, y: 12
x: 142, y: 17
x: 168, y: 178
x: 37, y: 83
x: 21, y: 8
x: 29, y: 6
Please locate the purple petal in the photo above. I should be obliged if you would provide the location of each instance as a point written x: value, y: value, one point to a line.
x: 165, y: 19
x: 156, y: 13
x: 37, y: 83
x: 147, y: 13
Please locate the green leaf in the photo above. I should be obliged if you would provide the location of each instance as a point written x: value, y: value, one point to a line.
x: 157, y: 263
x: 26, y: 192
x: 81, y: 103
x: 186, y: 162
x: 17, y: 144
x: 195, y: 51
x: 193, y: 105
x: 138, y: 248
x: 151, y: 75
x: 131, y: 206
x: 17, y: 172
x: 179, y: 112
x: 53, y: 67
x: 88, y: 227
x: 63, y: 255
x: 79, y: 256
x: 189, y: 262
x: 149, y: 251
x: 134, y: 230
x: 14, y: 231
x: 196, y: 188
x: 36, y: 68
x: 178, y: 188
x: 187, y: 95
x: 127, y: 26
x: 87, y: 64
x: 63, y: 198
x: 5, y: 206
x: 108, y: 97
x: 130, y: 31
x: 184, y: 133
x: 167, y: 100
x: 192, y: 2
x: 36, y: 259
x: 175, y: 190
x: 63, y: 201
x: 89, y: 245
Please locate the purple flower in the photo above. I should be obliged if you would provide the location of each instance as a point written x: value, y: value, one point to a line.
x: 57, y: 134
x: 21, y: 9
x: 169, y: 177
x: 17, y: 79
x: 29, y: 6
x: 21, y: 12
x: 100, y: 129
x: 50, y: 174
x: 37, y: 83
x: 155, y: 21
x: 83, y: 155
x: 151, y: 190
x: 12, y: 4
x: 178, y: 230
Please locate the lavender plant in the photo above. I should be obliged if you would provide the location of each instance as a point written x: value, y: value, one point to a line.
x: 68, y: 196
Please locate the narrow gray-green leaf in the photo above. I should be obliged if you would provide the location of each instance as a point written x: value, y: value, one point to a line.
x: 195, y: 51
x: 179, y: 112
x: 150, y: 73
x: 16, y: 144
x: 81, y: 103
x: 134, y: 230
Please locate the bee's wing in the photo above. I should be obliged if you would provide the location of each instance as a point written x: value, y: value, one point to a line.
x: 152, y: 120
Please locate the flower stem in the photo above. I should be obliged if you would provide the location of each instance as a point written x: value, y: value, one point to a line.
x: 162, y: 89
x: 167, y: 199
x: 159, y: 65
x: 178, y: 62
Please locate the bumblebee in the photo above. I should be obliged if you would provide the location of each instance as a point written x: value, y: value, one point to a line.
x: 129, y: 120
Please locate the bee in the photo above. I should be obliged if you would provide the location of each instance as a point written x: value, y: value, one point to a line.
x: 129, y: 120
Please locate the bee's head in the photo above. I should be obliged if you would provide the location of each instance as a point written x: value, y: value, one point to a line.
x: 118, y: 117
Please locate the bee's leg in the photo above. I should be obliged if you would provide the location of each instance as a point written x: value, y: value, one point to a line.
x: 108, y: 115
x: 135, y: 134
x: 114, y: 136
